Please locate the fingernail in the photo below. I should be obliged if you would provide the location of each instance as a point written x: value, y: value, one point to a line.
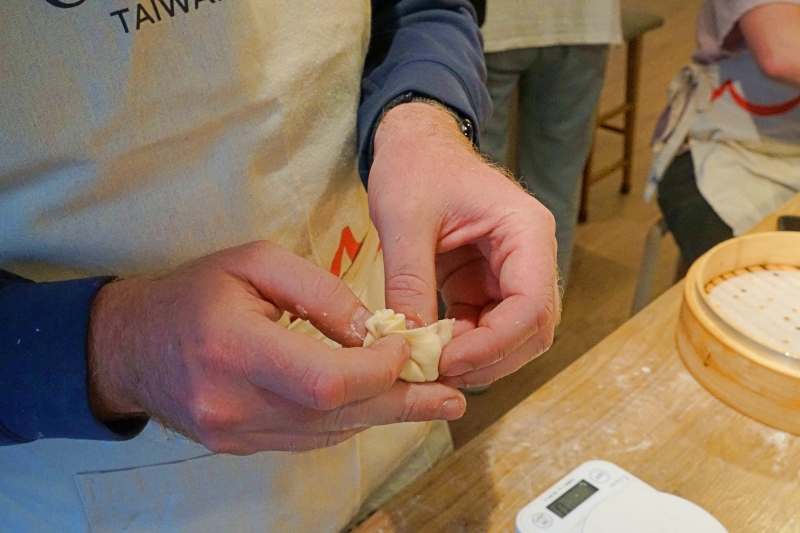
x: 456, y: 369
x: 452, y: 409
x: 359, y: 322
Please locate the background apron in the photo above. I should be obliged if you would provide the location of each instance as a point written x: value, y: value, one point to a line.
x: 745, y: 142
x: 743, y: 130
x: 137, y: 136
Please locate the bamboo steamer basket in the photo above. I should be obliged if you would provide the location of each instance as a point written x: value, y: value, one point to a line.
x: 751, y: 373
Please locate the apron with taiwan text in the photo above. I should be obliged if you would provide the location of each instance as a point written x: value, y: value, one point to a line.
x: 136, y: 136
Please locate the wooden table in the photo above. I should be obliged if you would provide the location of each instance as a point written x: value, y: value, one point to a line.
x: 629, y: 400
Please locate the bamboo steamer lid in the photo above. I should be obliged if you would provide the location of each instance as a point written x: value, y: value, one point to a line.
x: 742, y: 344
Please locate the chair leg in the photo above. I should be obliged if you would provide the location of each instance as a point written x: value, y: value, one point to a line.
x: 631, y: 99
x: 647, y: 270
x: 583, y: 212
x: 681, y: 268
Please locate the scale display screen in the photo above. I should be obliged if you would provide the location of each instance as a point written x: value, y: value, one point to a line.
x: 575, y: 496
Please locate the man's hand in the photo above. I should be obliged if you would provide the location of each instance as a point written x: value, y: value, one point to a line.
x: 199, y: 350
x: 448, y: 219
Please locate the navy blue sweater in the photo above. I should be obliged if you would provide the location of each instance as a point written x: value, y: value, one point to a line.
x: 430, y: 47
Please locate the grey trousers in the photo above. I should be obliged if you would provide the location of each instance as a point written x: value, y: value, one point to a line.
x: 558, y: 91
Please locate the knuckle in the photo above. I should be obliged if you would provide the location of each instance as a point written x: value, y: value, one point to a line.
x: 328, y: 289
x: 219, y: 435
x: 352, y: 417
x: 331, y: 420
x: 211, y: 416
x: 258, y: 249
x: 539, y: 214
x: 410, y: 410
x: 408, y: 285
x: 326, y: 387
x: 215, y: 442
x: 257, y: 252
x: 334, y: 438
x: 494, y: 353
x: 547, y: 341
x: 479, y: 378
x: 544, y: 344
x: 548, y: 315
x: 472, y: 379
x: 547, y: 218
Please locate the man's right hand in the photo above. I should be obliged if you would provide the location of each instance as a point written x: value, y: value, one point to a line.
x: 199, y: 350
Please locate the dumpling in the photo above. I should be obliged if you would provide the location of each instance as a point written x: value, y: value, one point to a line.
x: 426, y: 343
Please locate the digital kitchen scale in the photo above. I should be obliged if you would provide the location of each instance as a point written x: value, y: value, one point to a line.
x: 600, y: 497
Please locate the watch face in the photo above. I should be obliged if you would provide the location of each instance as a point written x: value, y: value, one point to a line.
x: 466, y: 128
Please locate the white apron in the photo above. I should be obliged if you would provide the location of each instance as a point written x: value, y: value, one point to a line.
x: 743, y: 130
x: 137, y: 136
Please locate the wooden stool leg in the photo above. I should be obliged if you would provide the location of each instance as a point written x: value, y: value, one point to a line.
x: 583, y: 212
x: 512, y: 132
x: 631, y: 99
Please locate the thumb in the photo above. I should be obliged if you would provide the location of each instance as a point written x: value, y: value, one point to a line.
x: 409, y: 266
x: 304, y: 289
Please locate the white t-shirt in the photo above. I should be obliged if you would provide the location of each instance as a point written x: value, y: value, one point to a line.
x: 512, y: 24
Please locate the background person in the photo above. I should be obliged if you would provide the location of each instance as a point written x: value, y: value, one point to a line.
x: 555, y: 51
x: 727, y: 148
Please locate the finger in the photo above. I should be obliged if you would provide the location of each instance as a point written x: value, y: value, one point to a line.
x: 411, y: 283
x: 472, y: 284
x: 493, y: 339
x: 409, y: 266
x: 308, y: 372
x: 244, y: 425
x: 466, y: 316
x: 403, y: 402
x: 301, y: 443
x: 530, y: 350
x: 250, y: 443
x: 530, y: 304
x: 304, y: 289
x: 450, y: 261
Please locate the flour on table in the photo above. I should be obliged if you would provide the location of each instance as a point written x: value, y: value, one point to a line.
x: 426, y: 343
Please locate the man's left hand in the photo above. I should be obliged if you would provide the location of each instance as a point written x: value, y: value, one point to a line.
x: 447, y: 219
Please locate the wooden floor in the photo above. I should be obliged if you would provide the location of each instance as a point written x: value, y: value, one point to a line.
x: 608, y: 247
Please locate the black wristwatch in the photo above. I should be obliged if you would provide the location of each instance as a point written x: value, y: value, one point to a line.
x: 464, y: 123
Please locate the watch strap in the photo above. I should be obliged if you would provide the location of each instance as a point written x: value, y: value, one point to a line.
x: 464, y: 123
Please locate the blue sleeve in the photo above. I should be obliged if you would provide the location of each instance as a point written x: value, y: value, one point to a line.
x: 433, y: 48
x: 43, y: 368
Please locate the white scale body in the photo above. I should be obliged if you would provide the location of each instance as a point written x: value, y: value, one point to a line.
x: 600, y: 497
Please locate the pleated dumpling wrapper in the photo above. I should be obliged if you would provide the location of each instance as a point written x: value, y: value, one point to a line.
x: 426, y: 343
